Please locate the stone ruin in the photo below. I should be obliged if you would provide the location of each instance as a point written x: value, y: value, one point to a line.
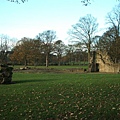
x: 101, y: 62
x: 6, y: 74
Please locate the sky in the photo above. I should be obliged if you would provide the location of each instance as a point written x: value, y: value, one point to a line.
x: 35, y: 16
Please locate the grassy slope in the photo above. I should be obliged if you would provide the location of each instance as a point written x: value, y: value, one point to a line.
x: 61, y: 96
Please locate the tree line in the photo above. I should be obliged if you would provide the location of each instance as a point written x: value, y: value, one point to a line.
x: 45, y: 49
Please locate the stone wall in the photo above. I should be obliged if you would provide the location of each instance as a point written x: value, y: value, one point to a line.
x: 114, y: 68
x: 101, y: 61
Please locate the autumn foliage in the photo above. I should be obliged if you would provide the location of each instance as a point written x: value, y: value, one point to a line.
x: 26, y: 50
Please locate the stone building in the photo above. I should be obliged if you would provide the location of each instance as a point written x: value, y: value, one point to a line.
x: 101, y: 62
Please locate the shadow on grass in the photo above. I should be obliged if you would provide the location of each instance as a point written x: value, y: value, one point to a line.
x: 32, y: 81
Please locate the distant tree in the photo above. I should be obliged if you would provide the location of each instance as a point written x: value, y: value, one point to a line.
x: 70, y: 50
x: 36, y: 51
x: 47, y: 38
x: 84, y: 31
x: 59, y: 49
x: 26, y: 51
x: 75, y: 54
x: 4, y: 48
x: 79, y: 50
x: 21, y: 51
x: 15, y: 57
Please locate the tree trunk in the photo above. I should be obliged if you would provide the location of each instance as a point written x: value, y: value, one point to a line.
x: 59, y: 60
x: 47, y: 60
x: 25, y: 62
x: 89, y: 57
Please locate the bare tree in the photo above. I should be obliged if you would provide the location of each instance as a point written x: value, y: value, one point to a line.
x: 59, y: 49
x: 70, y: 50
x: 47, y: 38
x: 84, y: 31
x: 110, y: 40
x: 113, y: 19
x: 4, y: 48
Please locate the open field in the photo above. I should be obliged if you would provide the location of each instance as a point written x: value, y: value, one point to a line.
x: 63, y: 96
x: 62, y: 67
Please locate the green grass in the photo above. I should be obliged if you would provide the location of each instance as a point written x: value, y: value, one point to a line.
x: 56, y: 67
x: 60, y: 96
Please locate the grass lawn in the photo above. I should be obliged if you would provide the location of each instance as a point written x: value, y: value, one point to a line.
x: 61, y: 96
x: 62, y: 67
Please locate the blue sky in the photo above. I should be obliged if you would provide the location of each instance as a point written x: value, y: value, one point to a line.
x: 35, y: 16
